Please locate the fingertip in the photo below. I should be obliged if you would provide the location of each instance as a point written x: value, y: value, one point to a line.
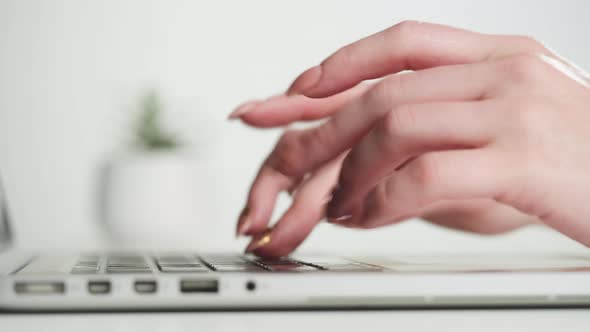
x: 284, y: 237
x: 244, y: 222
x: 243, y: 109
x: 275, y: 111
x: 259, y: 241
x: 262, y: 119
x: 272, y: 249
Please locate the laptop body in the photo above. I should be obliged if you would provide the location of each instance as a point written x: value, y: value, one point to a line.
x: 129, y: 281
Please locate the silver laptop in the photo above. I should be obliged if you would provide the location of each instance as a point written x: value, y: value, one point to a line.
x: 98, y: 281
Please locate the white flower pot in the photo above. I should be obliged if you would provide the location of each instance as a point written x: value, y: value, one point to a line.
x: 154, y: 199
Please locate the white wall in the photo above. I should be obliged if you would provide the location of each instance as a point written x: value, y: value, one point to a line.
x: 70, y: 72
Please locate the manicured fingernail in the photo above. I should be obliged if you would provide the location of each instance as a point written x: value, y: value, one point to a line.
x: 339, y: 219
x: 259, y: 241
x: 243, y: 109
x: 244, y: 222
x: 305, y: 82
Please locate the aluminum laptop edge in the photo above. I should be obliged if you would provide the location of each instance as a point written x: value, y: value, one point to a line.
x: 131, y: 281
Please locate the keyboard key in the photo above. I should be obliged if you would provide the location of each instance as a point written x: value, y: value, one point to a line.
x: 223, y: 259
x: 284, y: 265
x: 87, y: 264
x: 243, y: 263
x: 84, y: 270
x: 116, y: 269
x: 320, y: 260
x: 238, y: 268
x: 184, y: 269
x: 293, y: 268
x: 180, y: 264
x: 177, y: 260
x: 130, y: 266
x: 126, y: 263
x: 274, y: 261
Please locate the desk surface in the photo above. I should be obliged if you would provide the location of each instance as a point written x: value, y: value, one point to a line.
x: 334, y: 321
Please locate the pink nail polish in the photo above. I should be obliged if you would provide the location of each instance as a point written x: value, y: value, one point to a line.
x: 305, y: 82
x: 340, y: 219
x: 243, y: 109
x: 259, y: 241
x: 243, y: 228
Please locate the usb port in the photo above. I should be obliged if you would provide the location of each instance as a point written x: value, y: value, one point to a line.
x: 199, y: 286
x: 145, y: 286
x: 39, y: 287
x: 99, y: 287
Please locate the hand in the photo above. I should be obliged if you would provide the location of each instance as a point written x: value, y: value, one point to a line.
x: 487, y: 133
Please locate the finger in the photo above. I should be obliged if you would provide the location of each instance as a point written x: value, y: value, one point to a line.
x: 303, y: 215
x: 482, y: 216
x: 299, y: 152
x: 282, y: 110
x: 405, y: 132
x: 405, y: 46
x: 430, y: 178
x: 261, y: 200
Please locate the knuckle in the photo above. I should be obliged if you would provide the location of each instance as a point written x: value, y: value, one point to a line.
x: 318, y: 136
x: 346, y: 55
x: 376, y: 94
x: 531, y: 44
x: 403, y: 30
x: 525, y: 67
x: 299, y: 149
x: 288, y: 153
x: 425, y: 173
x: 385, y: 94
x: 397, y: 123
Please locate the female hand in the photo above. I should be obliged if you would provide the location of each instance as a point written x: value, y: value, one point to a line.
x: 486, y: 133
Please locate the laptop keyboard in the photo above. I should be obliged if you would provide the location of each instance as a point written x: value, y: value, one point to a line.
x: 191, y: 263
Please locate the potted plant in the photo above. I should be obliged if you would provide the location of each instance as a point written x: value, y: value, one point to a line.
x: 152, y: 193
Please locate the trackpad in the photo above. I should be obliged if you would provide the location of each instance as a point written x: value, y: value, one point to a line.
x: 480, y: 263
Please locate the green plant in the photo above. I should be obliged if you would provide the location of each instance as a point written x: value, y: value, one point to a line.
x: 150, y: 133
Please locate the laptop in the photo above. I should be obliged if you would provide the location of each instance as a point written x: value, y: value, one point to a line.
x: 131, y: 281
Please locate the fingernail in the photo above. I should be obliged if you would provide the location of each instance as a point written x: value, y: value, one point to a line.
x: 305, y: 82
x: 244, y: 222
x: 339, y: 219
x: 243, y: 109
x: 259, y: 241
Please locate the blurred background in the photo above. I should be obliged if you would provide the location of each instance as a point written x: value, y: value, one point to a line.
x: 74, y: 75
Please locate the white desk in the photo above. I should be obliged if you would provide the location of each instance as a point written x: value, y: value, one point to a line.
x: 333, y: 321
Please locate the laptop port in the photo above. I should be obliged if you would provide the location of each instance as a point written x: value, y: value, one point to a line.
x: 251, y: 286
x: 99, y: 287
x: 199, y: 286
x: 39, y: 287
x: 145, y: 286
